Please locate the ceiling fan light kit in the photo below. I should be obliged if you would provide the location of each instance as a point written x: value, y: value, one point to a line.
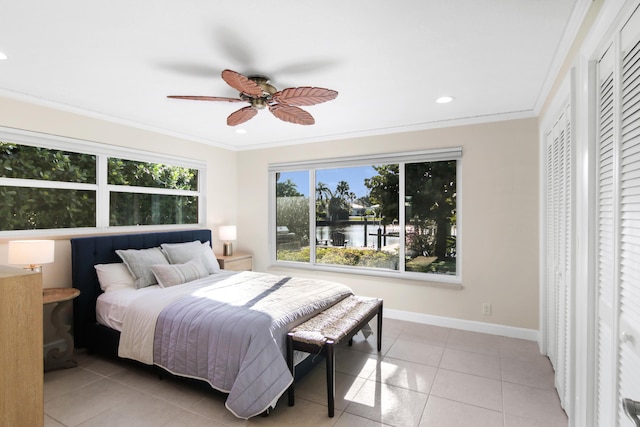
x: 257, y: 91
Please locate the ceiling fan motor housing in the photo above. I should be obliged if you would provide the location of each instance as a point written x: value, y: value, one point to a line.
x: 260, y: 103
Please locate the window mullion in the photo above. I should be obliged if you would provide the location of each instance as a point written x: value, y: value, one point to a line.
x: 312, y: 216
x: 37, y: 183
x: 102, y: 198
x: 401, y: 215
x: 150, y: 190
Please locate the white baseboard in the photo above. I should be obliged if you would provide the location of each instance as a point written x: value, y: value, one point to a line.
x: 466, y: 325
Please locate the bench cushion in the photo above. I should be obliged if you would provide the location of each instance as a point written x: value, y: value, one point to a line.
x: 337, y: 321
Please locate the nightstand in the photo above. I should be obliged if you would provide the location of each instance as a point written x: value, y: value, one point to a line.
x: 239, y: 261
x: 54, y: 359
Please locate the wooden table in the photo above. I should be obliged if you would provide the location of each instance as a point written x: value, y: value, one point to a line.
x: 239, y: 261
x: 55, y: 359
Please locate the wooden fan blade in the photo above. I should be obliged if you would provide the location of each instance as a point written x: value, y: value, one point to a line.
x: 242, y: 83
x: 206, y: 98
x: 306, y: 95
x: 241, y: 116
x: 291, y: 114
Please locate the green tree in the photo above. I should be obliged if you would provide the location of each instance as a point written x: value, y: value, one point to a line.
x: 37, y: 207
x: 287, y: 188
x: 334, y: 205
x: 384, y: 190
x: 293, y: 212
x: 323, y: 195
x: 142, y: 208
x: 27, y: 208
x: 431, y: 187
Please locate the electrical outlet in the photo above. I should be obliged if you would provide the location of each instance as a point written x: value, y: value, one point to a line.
x: 486, y: 309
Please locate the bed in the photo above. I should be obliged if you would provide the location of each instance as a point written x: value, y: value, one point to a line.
x: 226, y: 328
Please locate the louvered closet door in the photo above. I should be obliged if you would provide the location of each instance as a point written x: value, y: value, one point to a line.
x: 618, y: 221
x: 558, y: 249
x: 564, y: 259
x: 629, y: 298
x: 551, y: 274
x: 605, y: 237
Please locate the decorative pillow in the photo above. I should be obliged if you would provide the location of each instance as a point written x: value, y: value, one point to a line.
x: 139, y: 262
x: 179, y: 253
x: 113, y: 277
x: 175, y: 274
x: 208, y: 259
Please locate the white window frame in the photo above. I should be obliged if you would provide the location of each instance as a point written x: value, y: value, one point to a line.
x: 454, y: 153
x: 102, y: 189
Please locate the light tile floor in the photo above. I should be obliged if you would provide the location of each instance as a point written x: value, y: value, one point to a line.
x: 424, y: 376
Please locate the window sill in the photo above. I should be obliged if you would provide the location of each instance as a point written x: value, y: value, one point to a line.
x: 438, y: 280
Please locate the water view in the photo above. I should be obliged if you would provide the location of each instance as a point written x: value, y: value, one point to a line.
x: 357, y: 235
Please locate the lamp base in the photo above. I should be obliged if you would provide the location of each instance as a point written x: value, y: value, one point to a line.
x: 228, y: 249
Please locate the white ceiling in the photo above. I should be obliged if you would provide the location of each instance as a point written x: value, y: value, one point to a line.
x: 389, y: 61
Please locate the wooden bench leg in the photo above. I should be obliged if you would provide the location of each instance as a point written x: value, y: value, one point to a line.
x: 291, y: 391
x: 331, y: 376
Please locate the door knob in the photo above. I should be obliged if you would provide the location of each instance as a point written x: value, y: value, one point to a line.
x: 632, y: 409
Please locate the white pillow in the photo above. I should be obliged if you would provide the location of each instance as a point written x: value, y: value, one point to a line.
x: 176, y: 274
x: 113, y: 277
x: 139, y: 262
x: 180, y: 253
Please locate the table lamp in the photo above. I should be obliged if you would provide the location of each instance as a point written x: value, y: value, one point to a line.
x: 228, y: 233
x: 31, y: 253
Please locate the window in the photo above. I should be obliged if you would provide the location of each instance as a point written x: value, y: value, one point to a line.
x: 391, y: 214
x: 58, y: 183
x: 132, y: 202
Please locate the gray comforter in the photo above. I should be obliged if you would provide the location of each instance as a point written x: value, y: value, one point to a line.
x: 233, y: 334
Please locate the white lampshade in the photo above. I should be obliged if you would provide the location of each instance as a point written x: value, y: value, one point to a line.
x: 228, y: 232
x: 33, y: 253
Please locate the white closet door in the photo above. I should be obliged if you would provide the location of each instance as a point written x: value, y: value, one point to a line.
x: 558, y: 252
x: 605, y: 243
x: 551, y: 333
x: 629, y: 298
x: 618, y: 222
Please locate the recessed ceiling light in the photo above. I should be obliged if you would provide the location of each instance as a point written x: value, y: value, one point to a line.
x: 241, y: 131
x: 3, y: 56
x: 445, y: 99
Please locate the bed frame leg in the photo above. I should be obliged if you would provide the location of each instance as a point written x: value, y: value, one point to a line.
x: 159, y: 372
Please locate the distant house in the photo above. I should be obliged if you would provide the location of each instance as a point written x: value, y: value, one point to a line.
x: 357, y: 210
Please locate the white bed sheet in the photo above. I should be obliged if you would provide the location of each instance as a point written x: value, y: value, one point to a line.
x: 111, y: 306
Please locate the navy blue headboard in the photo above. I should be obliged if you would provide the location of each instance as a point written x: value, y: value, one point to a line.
x: 89, y: 251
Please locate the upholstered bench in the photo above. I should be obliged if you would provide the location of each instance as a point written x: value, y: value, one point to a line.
x: 322, y: 332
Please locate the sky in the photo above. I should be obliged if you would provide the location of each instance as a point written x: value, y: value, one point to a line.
x: 355, y: 176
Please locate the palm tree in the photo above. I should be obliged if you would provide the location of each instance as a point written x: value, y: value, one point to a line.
x: 323, y: 195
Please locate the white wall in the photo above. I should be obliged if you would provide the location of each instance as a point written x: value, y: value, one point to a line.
x: 499, y: 217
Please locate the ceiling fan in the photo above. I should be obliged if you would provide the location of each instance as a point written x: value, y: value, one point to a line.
x: 256, y: 90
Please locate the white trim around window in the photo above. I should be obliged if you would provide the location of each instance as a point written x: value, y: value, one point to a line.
x: 402, y: 158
